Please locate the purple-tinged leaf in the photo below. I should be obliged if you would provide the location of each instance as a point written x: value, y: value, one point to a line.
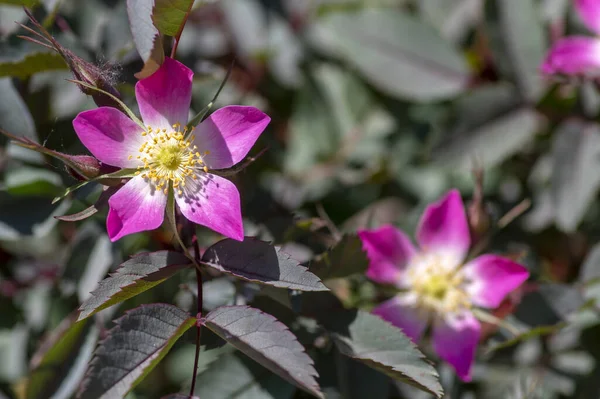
x: 266, y: 340
x: 375, y: 342
x: 146, y: 36
x: 135, y: 276
x: 60, y: 361
x: 139, y: 341
x: 101, y: 203
x: 260, y: 262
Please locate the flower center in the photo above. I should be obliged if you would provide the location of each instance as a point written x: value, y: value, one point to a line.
x: 438, y: 285
x: 169, y: 157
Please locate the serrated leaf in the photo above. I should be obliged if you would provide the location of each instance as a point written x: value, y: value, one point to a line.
x: 146, y: 37
x: 169, y: 15
x: 260, y: 262
x: 266, y: 340
x: 135, y: 276
x: 141, y: 338
x: 66, y: 351
x: 344, y: 259
x: 25, y: 61
x: 397, y: 53
x: 380, y: 345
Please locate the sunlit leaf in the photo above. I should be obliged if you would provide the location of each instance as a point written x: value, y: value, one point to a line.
x: 375, y: 342
x: 135, y: 276
x: 260, y: 262
x: 266, y: 340
x: 141, y: 338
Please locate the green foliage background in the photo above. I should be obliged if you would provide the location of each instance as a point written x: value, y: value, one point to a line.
x: 378, y: 107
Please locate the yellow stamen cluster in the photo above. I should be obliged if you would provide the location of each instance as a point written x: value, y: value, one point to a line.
x: 169, y: 156
x: 437, y: 286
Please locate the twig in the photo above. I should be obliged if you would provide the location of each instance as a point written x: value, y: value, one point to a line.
x: 178, y: 35
x: 199, y: 304
x: 514, y: 213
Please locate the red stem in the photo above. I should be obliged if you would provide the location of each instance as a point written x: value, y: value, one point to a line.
x: 199, y: 315
x: 178, y: 35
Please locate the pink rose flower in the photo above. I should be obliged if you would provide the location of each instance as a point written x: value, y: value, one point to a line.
x: 435, y: 284
x: 577, y: 55
x: 169, y: 157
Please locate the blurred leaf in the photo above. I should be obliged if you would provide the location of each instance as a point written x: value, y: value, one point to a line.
x: 576, y: 158
x: 344, y: 259
x: 146, y: 37
x: 218, y: 292
x: 13, y: 352
x: 260, y: 262
x: 590, y: 269
x: 169, y: 15
x: 99, y: 261
x: 378, y: 344
x: 564, y: 299
x: 517, y: 42
x: 312, y: 133
x: 26, y: 60
x: 138, y: 342
x: 27, y: 216
x: 133, y: 277
x: 267, y: 341
x: 60, y: 363
x: 396, y: 53
x: 490, y: 124
x: 14, y: 115
x: 32, y: 181
x: 453, y: 18
x: 250, y: 382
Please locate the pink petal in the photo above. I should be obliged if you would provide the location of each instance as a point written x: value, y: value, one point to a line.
x: 164, y: 97
x: 402, y: 312
x: 229, y: 133
x: 443, y: 228
x: 574, y: 55
x: 492, y: 278
x: 136, y: 207
x: 389, y: 251
x: 110, y: 136
x: 589, y: 11
x: 455, y: 341
x: 214, y: 202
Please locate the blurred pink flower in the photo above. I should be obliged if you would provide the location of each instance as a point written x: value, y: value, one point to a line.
x: 577, y: 55
x: 436, y: 286
x: 169, y: 157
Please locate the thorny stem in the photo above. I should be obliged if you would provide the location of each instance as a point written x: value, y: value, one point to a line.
x: 199, y: 305
x: 178, y: 35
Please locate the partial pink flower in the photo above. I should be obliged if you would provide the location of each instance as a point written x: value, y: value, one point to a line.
x: 436, y: 286
x: 577, y: 55
x: 168, y: 156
